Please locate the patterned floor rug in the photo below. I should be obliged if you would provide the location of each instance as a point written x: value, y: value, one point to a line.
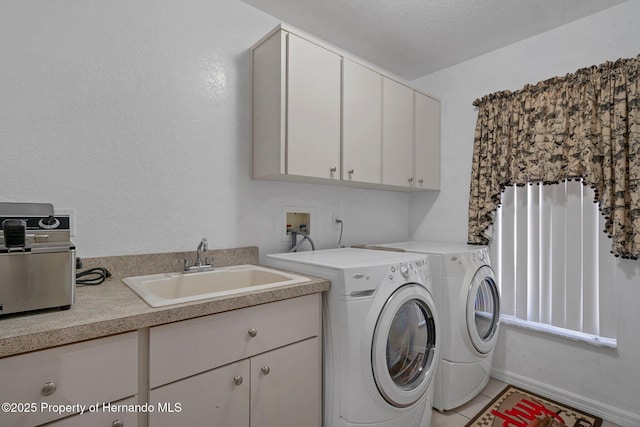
x: 515, y: 407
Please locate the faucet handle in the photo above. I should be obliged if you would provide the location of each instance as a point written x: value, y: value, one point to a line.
x: 208, y: 260
x: 187, y: 263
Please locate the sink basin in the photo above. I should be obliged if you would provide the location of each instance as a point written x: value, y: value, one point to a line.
x: 159, y: 290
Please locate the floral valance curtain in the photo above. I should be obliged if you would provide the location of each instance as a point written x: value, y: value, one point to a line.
x: 583, y: 126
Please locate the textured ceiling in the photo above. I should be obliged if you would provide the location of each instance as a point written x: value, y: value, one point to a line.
x: 413, y: 38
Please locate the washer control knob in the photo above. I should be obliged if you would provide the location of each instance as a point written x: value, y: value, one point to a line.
x: 404, y: 270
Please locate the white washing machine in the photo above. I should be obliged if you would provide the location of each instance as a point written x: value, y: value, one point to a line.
x: 381, y: 338
x: 468, y: 301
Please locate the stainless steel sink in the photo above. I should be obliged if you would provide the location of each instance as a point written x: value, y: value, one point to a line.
x: 159, y: 290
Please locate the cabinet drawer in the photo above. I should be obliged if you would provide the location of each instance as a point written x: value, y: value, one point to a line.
x: 105, y: 416
x: 186, y: 348
x: 101, y: 370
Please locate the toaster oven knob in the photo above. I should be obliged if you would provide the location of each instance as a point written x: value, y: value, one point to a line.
x: 48, y: 389
x: 49, y: 223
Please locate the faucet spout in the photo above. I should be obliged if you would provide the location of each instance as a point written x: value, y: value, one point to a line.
x: 193, y: 267
x: 202, y: 247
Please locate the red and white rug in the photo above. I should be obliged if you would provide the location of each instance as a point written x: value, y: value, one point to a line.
x: 515, y: 407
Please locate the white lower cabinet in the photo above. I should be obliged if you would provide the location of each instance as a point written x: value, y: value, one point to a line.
x: 278, y: 388
x: 259, y: 366
x: 52, y: 384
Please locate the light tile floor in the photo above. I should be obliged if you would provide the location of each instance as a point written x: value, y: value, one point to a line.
x: 460, y: 416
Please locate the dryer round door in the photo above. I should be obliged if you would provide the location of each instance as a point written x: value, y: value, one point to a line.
x: 483, y: 310
x: 404, y: 349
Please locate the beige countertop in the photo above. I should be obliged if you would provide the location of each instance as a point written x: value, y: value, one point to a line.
x: 112, y: 308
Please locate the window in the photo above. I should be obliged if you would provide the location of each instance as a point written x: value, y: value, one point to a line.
x: 553, y: 262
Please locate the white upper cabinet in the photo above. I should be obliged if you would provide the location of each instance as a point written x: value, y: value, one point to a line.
x: 321, y: 115
x: 313, y: 110
x: 427, y: 142
x: 362, y: 123
x: 397, y: 134
x: 296, y: 109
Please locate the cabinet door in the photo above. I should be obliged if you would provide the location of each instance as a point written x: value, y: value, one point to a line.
x: 215, y: 398
x: 397, y: 134
x: 313, y: 110
x: 286, y: 386
x: 362, y: 123
x: 427, y: 142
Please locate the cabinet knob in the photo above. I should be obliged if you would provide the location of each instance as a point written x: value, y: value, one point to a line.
x: 410, y: 179
x: 252, y: 332
x: 48, y: 388
x: 421, y: 180
x: 237, y: 380
x: 333, y: 169
x: 117, y: 423
x: 350, y: 172
x: 265, y: 370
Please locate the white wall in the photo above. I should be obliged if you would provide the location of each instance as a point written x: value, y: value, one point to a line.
x: 137, y: 115
x: 611, y: 377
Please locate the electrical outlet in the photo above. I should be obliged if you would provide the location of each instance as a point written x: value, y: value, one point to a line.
x: 334, y: 220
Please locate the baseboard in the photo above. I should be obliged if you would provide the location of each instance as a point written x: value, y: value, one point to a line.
x: 606, y: 412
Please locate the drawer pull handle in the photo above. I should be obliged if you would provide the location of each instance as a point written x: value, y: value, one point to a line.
x: 48, y: 389
x: 117, y: 423
x: 237, y: 380
x: 253, y: 332
x: 265, y: 370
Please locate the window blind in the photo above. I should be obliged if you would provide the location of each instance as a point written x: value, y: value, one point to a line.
x: 552, y: 262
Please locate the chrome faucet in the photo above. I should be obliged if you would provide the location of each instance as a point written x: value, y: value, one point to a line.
x: 202, y: 247
x: 190, y: 267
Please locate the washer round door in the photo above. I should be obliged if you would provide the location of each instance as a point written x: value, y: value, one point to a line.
x: 404, y: 349
x: 483, y: 310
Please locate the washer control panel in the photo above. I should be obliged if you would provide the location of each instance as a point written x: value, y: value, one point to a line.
x: 409, y: 271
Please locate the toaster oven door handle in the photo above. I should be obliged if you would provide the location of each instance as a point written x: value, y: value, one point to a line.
x: 49, y: 249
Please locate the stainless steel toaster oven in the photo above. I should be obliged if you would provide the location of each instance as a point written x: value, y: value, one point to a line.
x: 37, y: 258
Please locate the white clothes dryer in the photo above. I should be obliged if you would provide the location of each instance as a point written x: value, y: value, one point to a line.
x: 468, y: 301
x: 381, y: 335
